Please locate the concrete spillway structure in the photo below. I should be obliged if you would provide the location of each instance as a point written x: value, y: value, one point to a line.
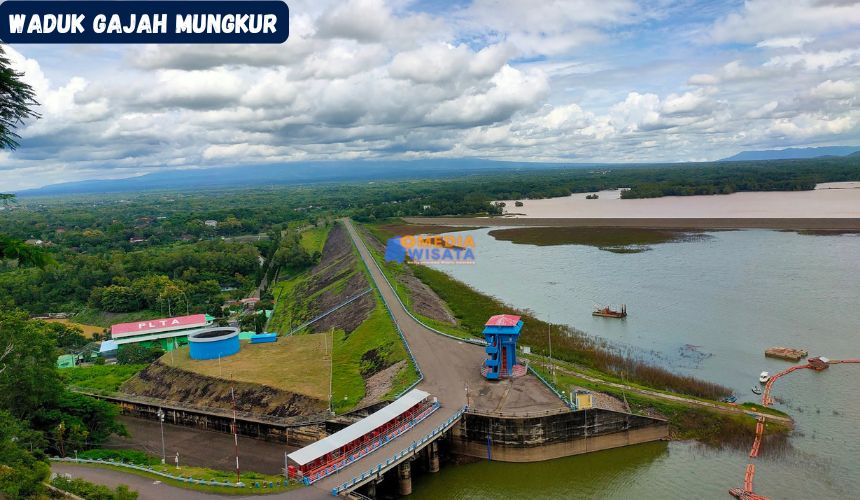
x: 537, y: 438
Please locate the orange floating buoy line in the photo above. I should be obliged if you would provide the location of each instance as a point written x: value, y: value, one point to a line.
x: 817, y: 364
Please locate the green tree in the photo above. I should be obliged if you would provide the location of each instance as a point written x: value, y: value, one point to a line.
x: 29, y: 379
x: 78, y: 422
x: 17, y: 100
x: 116, y: 298
x: 21, y: 472
x: 66, y: 337
x: 132, y: 354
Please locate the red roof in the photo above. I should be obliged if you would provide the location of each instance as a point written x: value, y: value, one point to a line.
x: 157, y: 325
x: 503, y: 320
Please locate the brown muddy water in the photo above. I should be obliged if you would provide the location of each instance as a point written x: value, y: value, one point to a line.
x: 836, y: 199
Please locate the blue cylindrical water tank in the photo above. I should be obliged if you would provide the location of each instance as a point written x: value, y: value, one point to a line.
x: 213, y: 343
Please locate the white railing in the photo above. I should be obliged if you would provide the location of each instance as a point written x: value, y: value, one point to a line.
x: 357, y: 237
x: 479, y: 342
x: 397, y: 457
x: 182, y: 479
x: 361, y: 453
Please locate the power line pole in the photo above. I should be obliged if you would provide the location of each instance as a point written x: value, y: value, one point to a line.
x: 549, y: 339
x: 330, y: 371
x: 235, y: 433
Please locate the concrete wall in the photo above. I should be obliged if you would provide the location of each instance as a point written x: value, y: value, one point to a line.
x: 545, y: 438
x: 293, y: 436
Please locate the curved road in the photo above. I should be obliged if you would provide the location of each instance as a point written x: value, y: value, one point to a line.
x: 151, y: 489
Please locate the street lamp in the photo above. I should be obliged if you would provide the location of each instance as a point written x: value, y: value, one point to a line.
x: 160, y: 414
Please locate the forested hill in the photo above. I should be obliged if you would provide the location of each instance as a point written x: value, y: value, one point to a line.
x: 794, y: 153
x: 292, y: 173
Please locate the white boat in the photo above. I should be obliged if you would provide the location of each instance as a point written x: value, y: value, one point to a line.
x: 764, y: 377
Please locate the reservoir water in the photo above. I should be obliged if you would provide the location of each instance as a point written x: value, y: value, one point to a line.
x: 708, y: 308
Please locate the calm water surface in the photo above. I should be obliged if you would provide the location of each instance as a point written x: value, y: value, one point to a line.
x: 708, y: 308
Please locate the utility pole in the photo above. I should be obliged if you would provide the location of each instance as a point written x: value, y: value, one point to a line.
x: 160, y: 414
x: 330, y: 371
x: 235, y: 433
x: 549, y: 340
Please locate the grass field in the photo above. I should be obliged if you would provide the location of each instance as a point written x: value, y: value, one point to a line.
x: 313, y: 240
x: 298, y: 364
x: 287, y: 313
x: 101, y: 378
x: 248, y: 478
x: 685, y: 421
x: 374, y: 344
x: 88, y: 330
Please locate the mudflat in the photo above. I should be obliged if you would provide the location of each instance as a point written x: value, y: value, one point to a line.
x: 681, y: 223
x: 830, y: 200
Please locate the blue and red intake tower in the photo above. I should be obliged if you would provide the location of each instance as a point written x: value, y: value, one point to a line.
x: 501, y: 333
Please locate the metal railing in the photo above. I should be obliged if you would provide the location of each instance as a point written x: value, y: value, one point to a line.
x: 396, y: 458
x: 508, y: 414
x: 387, y: 308
x: 552, y: 388
x: 479, y: 342
x: 297, y: 421
x: 370, y: 448
x: 333, y: 309
x: 175, y: 477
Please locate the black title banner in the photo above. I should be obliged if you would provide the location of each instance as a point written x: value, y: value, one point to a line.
x: 25, y: 21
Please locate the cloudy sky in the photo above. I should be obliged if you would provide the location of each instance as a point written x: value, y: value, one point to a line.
x: 578, y: 80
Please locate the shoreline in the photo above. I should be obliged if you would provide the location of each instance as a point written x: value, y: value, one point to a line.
x: 787, y: 224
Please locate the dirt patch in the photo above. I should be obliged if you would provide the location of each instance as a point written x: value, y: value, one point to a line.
x: 424, y: 300
x: 173, y: 384
x: 393, y: 230
x: 379, y: 384
x: 618, y: 240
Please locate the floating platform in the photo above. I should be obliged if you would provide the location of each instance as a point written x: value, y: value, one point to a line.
x: 608, y: 312
x: 786, y: 353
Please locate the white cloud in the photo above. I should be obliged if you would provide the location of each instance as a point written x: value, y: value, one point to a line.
x: 839, y: 89
x: 551, y: 81
x: 761, y: 20
x: 790, y: 42
x: 817, y: 61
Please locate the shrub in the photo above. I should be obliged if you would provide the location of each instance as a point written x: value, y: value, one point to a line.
x: 127, y: 456
x: 92, y: 491
x: 135, y: 354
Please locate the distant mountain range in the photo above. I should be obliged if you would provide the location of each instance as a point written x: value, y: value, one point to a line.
x: 292, y: 173
x: 794, y: 153
x: 362, y: 170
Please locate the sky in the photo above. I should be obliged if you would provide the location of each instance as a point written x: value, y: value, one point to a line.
x: 558, y: 81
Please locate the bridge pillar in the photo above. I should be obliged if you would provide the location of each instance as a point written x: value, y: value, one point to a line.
x: 371, y: 489
x: 404, y: 474
x: 433, y: 455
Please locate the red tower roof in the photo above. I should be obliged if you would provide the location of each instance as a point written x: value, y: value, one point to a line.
x: 503, y: 320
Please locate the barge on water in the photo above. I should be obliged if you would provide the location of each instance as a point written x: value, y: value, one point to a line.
x: 786, y: 353
x: 608, y: 312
